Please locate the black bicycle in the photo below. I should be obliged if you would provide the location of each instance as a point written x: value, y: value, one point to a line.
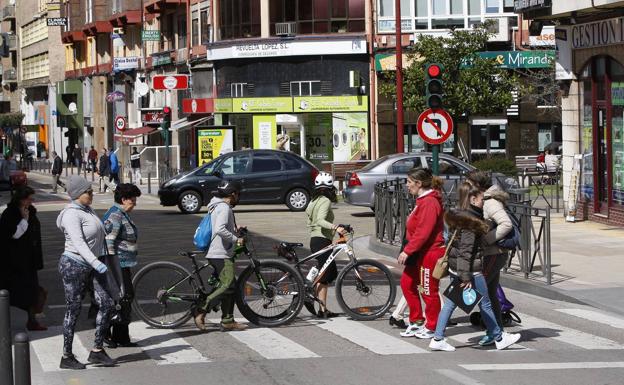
x: 365, y: 288
x: 167, y: 294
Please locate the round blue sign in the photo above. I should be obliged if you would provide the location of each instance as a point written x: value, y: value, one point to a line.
x: 469, y: 296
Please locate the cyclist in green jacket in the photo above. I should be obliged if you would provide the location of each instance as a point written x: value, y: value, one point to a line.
x: 320, y: 218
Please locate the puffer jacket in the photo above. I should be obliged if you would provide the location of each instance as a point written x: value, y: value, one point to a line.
x: 466, y: 251
x: 494, y: 212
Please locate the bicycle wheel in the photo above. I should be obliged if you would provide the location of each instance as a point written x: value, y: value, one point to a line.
x: 158, y: 301
x: 279, y: 303
x: 365, y: 290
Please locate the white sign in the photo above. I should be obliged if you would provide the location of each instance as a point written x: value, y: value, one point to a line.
x: 563, y: 65
x: 170, y: 82
x: 434, y: 126
x: 264, y: 134
x: 125, y: 63
x: 597, y: 33
x: 287, y: 48
x: 546, y: 39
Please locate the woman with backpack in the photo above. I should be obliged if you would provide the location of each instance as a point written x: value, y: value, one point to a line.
x: 494, y: 257
x: 465, y: 265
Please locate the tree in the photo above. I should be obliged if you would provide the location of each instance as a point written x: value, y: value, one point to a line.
x: 472, y: 85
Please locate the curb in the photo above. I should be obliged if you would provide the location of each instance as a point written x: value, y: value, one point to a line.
x: 508, y: 281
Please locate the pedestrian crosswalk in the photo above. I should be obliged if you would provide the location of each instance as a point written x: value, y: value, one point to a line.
x: 348, y: 337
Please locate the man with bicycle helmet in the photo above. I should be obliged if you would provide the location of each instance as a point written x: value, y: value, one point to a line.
x: 221, y: 252
x: 320, y: 218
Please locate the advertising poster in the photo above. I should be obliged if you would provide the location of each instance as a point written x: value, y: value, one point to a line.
x: 350, y: 136
x: 617, y: 144
x: 264, y: 132
x: 213, y: 142
x: 587, y: 173
x: 318, y: 132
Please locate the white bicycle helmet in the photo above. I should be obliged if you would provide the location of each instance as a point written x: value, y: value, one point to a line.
x: 323, y: 180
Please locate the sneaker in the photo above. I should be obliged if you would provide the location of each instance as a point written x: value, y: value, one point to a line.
x: 506, y: 340
x: 70, y: 362
x: 400, y: 323
x: 412, y: 329
x: 324, y: 314
x: 199, y: 319
x: 424, y: 334
x: 100, y: 358
x: 441, y: 345
x: 232, y: 326
x: 486, y: 340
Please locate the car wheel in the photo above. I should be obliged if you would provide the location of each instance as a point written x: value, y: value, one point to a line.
x: 189, y: 202
x: 297, y: 199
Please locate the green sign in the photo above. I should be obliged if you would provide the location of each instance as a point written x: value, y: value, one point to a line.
x: 519, y: 59
x: 279, y: 104
x: 159, y: 60
x: 150, y: 35
x: 330, y: 103
x: 617, y: 93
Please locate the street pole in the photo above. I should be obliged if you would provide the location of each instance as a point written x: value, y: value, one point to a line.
x: 435, y: 156
x: 399, y: 76
x: 6, y: 356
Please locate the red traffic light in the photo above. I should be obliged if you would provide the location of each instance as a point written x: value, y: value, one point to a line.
x: 434, y: 70
x: 166, y: 110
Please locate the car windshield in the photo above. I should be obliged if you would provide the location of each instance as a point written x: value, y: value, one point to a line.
x: 207, y: 168
x: 374, y: 163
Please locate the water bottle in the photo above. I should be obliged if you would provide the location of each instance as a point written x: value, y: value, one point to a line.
x: 312, y: 274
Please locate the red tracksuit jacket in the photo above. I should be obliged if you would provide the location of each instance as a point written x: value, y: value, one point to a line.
x: 425, y: 226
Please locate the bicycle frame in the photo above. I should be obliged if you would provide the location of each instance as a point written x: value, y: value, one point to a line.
x: 336, y: 249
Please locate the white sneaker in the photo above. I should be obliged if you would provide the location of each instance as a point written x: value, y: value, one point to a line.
x: 412, y: 329
x: 441, y: 345
x: 424, y: 334
x: 507, y: 339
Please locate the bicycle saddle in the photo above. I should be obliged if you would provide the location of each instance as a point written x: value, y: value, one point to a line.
x: 192, y: 254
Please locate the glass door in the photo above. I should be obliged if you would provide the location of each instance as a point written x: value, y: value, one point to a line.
x: 602, y: 161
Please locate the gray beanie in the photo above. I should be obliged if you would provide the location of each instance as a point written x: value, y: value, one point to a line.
x: 77, y: 186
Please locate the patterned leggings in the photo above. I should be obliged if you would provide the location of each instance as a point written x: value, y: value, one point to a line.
x: 75, y: 281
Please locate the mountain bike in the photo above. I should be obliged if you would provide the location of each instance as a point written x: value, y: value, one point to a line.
x: 365, y: 288
x: 167, y: 294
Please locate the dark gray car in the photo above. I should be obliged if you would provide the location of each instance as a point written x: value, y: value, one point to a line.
x: 360, y: 190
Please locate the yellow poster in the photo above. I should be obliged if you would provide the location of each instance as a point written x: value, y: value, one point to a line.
x: 212, y: 143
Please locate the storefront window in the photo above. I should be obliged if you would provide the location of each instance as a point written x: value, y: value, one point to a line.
x: 490, y: 137
x: 587, y: 143
x: 617, y: 131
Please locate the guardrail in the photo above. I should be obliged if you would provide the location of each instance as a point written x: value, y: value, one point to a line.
x: 393, y: 204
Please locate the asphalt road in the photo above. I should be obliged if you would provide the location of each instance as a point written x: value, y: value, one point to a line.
x: 561, y: 343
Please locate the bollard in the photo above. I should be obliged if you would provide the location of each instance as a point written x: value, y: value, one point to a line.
x: 6, y: 358
x: 92, y: 175
x: 72, y: 170
x: 65, y: 170
x: 149, y: 182
x: 22, y: 359
x: 84, y: 173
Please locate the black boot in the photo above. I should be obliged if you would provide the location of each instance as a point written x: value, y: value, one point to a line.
x: 400, y: 323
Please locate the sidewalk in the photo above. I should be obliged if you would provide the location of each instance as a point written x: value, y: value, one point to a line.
x: 587, y: 265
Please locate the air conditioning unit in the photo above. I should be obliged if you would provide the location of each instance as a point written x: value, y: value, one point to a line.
x: 286, y: 29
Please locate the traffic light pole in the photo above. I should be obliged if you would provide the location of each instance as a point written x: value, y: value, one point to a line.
x: 399, y: 76
x: 435, y: 156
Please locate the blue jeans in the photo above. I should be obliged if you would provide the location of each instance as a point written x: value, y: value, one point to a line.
x: 487, y: 314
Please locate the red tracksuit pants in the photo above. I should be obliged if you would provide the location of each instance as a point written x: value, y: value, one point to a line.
x: 417, y: 282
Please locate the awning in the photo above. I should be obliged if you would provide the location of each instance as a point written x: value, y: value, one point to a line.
x: 183, y: 124
x: 132, y: 134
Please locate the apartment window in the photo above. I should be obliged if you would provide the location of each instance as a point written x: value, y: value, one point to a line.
x: 205, y: 31
x: 474, y: 7
x: 36, y: 67
x: 386, y: 8
x: 421, y: 8
x: 34, y: 32
x: 305, y: 88
x: 323, y: 16
x: 439, y: 7
x: 182, y: 33
x: 492, y: 6
x: 239, y: 18
x: 489, y: 137
x: 238, y: 90
x: 195, y: 29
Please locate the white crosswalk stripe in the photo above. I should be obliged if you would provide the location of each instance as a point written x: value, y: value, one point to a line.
x: 472, y: 337
x: 369, y: 338
x: 567, y: 335
x: 48, y: 346
x: 164, y: 346
x: 272, y: 345
x: 595, y: 316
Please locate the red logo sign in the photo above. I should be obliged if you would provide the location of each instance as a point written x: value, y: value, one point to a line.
x: 170, y: 82
x: 153, y: 117
x: 435, y: 126
x: 198, y: 106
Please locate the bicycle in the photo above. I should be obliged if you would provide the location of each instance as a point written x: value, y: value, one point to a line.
x: 167, y: 294
x: 367, y: 278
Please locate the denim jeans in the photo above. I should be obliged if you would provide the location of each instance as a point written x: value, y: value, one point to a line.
x: 479, y: 284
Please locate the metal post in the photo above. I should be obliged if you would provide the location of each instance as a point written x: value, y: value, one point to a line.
x: 92, y: 175
x: 399, y: 76
x: 435, y: 156
x: 547, y: 256
x: 6, y: 358
x: 149, y: 182
x: 22, y: 359
x: 65, y: 170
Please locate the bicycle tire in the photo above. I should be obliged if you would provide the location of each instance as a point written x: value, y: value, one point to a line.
x: 362, y: 314
x: 247, y: 310
x: 147, y: 297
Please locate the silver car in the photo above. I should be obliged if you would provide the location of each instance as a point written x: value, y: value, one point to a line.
x: 360, y: 189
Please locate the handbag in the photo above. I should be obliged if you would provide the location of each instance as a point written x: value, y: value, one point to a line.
x: 441, y: 267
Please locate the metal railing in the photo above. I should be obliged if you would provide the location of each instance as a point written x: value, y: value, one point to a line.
x: 393, y: 204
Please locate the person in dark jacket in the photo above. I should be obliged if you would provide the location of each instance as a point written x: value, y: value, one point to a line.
x: 57, y: 169
x: 104, y: 170
x: 92, y: 158
x: 465, y: 265
x: 20, y: 232
x: 70, y: 155
x: 78, y: 157
x: 135, y: 164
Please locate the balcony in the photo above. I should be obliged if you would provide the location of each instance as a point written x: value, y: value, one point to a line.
x: 9, y: 76
x: 161, y: 6
x: 12, y: 42
x: 8, y: 12
x: 286, y: 29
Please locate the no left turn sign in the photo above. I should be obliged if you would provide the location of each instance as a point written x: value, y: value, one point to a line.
x: 121, y: 123
x: 435, y: 126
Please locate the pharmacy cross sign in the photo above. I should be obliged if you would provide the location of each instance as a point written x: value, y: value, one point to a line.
x: 435, y: 126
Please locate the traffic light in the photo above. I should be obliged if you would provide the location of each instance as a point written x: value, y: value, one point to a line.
x: 166, y: 124
x: 434, y: 85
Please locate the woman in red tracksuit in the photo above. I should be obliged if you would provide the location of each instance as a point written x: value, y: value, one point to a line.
x: 424, y: 244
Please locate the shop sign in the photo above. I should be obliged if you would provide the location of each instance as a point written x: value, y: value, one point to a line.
x: 153, y: 117
x: 519, y: 59
x: 546, y: 39
x: 530, y: 5
x: 598, y: 33
x: 198, y: 106
x: 159, y: 60
x: 387, y: 62
x: 213, y: 142
x: 170, y: 82
x: 150, y: 35
x: 56, y: 21
x: 330, y: 104
x: 125, y: 63
x: 388, y: 25
x: 223, y: 105
x: 340, y: 46
x: 284, y: 104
